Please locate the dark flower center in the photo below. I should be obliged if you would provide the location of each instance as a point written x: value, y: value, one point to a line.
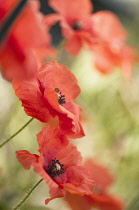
x: 55, y: 168
x: 77, y: 26
x: 61, y: 98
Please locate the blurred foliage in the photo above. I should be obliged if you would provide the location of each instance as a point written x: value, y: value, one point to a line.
x: 112, y: 107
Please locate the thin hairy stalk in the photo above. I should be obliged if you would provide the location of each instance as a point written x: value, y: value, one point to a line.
x: 134, y: 204
x: 32, y: 189
x: 5, y: 142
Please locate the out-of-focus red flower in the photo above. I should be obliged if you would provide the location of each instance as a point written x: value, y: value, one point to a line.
x: 107, y: 60
x: 59, y: 164
x: 111, y: 50
x: 100, y: 198
x: 101, y: 32
x: 79, y: 26
x: 50, y: 94
x: 75, y: 20
x: 27, y: 34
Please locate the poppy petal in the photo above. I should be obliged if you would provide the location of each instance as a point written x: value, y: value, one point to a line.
x: 26, y: 158
x: 32, y: 99
x: 108, y: 27
x: 73, y: 45
x: 79, y: 181
x: 55, y: 144
x: 55, y: 75
x: 72, y: 9
x: 100, y: 174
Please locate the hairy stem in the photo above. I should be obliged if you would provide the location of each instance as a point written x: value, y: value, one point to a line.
x: 16, y: 133
x: 25, y: 198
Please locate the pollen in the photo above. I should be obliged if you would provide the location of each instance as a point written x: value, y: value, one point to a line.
x: 55, y: 168
x: 61, y: 98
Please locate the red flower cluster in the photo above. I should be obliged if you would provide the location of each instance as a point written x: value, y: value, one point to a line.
x: 59, y: 164
x: 101, y: 32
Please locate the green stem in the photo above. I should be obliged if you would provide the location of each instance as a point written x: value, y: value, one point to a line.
x: 16, y: 133
x: 32, y: 189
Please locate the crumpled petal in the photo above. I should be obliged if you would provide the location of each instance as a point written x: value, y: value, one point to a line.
x: 54, y: 75
x: 79, y: 181
x: 26, y: 158
x: 55, y: 144
x: 32, y: 99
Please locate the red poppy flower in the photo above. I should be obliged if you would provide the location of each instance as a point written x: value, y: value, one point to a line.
x: 75, y: 19
x: 26, y: 35
x: 111, y: 49
x: 106, y: 60
x: 100, y: 198
x: 101, y: 32
x: 50, y: 94
x: 79, y: 26
x: 59, y: 164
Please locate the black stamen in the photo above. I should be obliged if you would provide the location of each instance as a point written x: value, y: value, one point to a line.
x: 61, y: 98
x: 55, y: 168
x: 57, y: 90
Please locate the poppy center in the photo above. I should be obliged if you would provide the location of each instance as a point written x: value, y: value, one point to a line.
x: 77, y: 26
x: 61, y: 98
x: 55, y: 168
